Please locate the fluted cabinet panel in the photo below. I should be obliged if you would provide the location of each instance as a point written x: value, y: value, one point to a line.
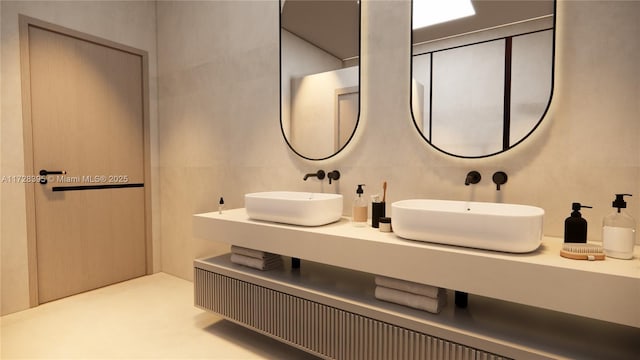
x: 320, y: 329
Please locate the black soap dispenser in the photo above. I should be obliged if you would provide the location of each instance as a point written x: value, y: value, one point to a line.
x: 575, y: 226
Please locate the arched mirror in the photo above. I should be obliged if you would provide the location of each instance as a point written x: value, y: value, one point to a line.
x: 482, y: 72
x: 319, y: 75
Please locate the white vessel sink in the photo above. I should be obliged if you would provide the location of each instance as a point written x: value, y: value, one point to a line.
x: 295, y: 208
x: 491, y: 226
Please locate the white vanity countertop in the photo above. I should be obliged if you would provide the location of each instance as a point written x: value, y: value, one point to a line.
x: 606, y: 290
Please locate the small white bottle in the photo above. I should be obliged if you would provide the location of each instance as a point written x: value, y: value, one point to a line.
x: 619, y: 231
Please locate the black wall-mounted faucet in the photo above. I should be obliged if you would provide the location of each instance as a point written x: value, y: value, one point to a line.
x: 333, y: 175
x: 320, y: 175
x: 473, y: 177
x: 500, y: 178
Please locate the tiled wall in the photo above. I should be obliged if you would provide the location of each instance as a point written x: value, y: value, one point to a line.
x: 219, y: 132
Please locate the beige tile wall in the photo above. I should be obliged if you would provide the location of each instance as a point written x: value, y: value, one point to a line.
x: 219, y: 132
x: 131, y: 23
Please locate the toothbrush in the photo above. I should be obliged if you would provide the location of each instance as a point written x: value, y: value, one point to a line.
x: 384, y: 191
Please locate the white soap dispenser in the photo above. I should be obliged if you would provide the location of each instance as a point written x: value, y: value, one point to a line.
x: 619, y: 231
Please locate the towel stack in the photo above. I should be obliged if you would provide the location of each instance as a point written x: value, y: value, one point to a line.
x: 256, y: 259
x: 418, y: 296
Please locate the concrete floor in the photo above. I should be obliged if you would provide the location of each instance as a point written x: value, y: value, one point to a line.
x: 151, y: 317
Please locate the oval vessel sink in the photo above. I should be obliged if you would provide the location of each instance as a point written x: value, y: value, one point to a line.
x: 295, y: 208
x: 490, y: 226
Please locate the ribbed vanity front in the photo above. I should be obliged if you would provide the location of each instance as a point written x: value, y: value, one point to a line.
x: 323, y: 330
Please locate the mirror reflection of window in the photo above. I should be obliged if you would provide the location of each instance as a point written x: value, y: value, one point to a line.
x: 532, y: 59
x: 319, y: 49
x: 482, y: 83
x: 466, y: 108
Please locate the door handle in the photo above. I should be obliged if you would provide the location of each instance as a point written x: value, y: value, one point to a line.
x: 44, y: 173
x: 96, y: 187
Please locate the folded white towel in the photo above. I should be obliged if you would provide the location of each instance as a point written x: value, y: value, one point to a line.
x: 260, y: 264
x: 409, y: 286
x: 252, y: 253
x: 433, y: 305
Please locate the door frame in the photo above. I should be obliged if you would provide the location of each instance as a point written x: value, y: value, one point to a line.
x: 24, y: 23
x: 336, y: 111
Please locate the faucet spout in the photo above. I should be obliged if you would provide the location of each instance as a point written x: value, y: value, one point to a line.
x: 319, y: 174
x: 473, y: 177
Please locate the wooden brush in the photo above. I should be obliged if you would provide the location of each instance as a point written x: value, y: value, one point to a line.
x: 384, y: 191
x: 582, y: 251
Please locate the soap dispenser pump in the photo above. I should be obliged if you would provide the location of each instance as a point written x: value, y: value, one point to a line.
x: 359, y: 215
x: 575, y: 226
x: 618, y: 231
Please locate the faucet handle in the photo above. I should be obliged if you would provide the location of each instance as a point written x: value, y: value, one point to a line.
x: 333, y: 175
x: 500, y: 178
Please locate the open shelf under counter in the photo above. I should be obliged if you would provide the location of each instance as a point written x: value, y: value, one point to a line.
x: 487, y: 329
x: 606, y: 290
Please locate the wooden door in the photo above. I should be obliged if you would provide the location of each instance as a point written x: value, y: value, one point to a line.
x: 87, y: 118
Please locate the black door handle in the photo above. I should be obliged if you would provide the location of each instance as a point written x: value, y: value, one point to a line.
x: 96, y: 187
x: 44, y: 173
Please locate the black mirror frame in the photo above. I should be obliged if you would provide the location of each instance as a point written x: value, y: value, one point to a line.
x: 359, y: 85
x: 544, y: 113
